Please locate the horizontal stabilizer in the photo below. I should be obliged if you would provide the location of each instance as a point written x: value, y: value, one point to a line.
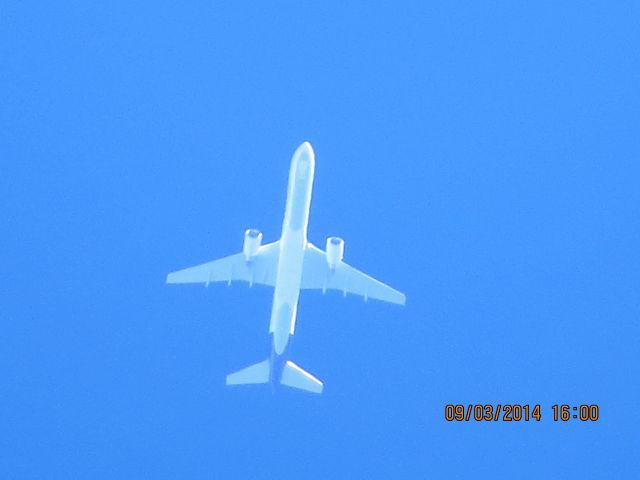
x: 256, y: 373
x: 295, y: 377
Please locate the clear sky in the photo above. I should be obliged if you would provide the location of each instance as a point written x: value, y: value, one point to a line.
x: 482, y: 157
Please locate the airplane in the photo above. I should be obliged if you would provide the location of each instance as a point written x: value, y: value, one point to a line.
x: 290, y: 264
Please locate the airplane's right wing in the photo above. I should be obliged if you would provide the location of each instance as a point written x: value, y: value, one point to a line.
x: 316, y: 274
x: 261, y: 269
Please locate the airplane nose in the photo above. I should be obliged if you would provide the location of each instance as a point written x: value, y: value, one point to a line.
x: 304, y: 152
x: 304, y: 160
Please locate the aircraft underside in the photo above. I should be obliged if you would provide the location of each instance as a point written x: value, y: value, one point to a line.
x: 290, y: 264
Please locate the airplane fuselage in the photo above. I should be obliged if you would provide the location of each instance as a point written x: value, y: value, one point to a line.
x: 292, y: 245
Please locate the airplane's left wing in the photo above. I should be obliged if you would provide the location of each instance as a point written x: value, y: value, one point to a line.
x: 316, y: 274
x: 261, y: 269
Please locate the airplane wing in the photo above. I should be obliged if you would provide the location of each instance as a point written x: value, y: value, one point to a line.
x: 261, y: 269
x: 316, y: 274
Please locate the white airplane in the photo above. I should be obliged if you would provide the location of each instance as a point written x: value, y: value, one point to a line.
x: 289, y: 264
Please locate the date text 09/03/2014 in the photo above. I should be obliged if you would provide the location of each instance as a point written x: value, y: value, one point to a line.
x: 519, y: 412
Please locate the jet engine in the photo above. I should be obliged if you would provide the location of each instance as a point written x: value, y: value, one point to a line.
x: 335, y: 251
x: 252, y: 241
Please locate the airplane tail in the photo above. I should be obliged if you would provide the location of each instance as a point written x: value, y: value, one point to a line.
x: 256, y: 373
x: 292, y: 376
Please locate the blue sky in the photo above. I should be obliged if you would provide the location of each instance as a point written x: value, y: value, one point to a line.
x: 480, y: 156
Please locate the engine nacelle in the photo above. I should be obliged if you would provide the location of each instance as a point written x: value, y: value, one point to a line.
x: 335, y: 251
x: 252, y: 241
